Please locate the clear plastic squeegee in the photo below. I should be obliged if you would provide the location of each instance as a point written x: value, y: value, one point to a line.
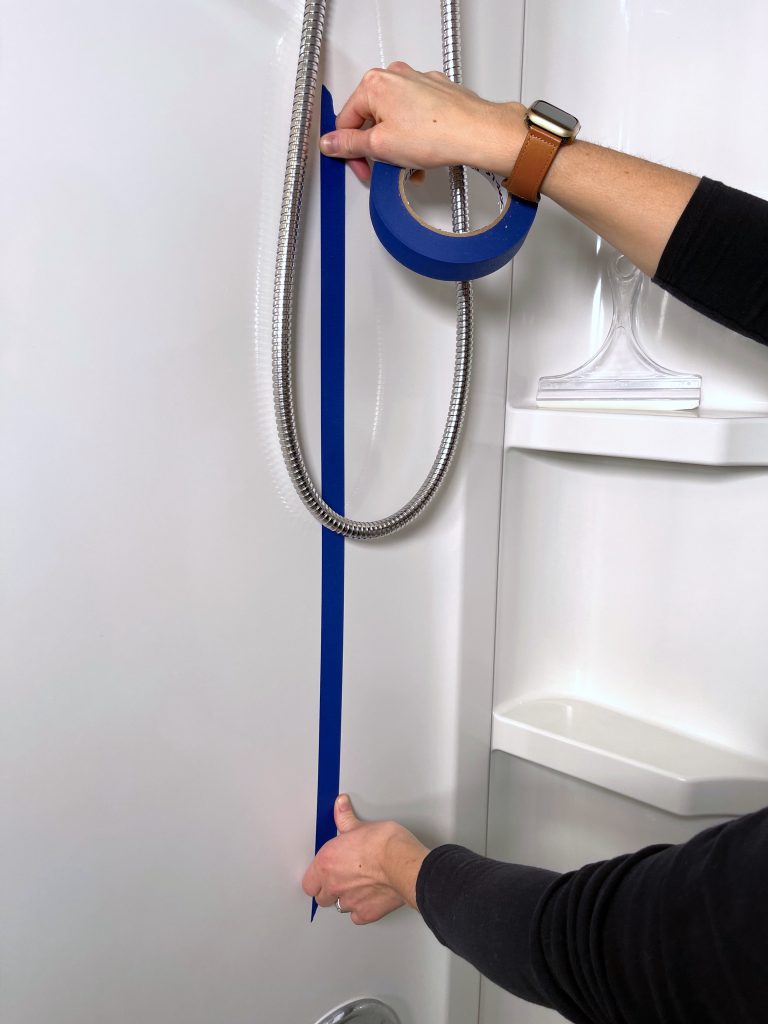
x: 622, y: 375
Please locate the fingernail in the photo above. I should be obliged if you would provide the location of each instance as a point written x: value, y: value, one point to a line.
x: 343, y: 802
x: 329, y: 144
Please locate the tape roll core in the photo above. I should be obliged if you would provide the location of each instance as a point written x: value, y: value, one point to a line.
x: 435, y: 252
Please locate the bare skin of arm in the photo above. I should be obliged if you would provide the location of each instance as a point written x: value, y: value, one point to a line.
x: 422, y: 120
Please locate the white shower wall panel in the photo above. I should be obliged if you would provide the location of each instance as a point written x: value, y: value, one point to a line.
x: 635, y: 585
x: 640, y: 582
x: 160, y: 590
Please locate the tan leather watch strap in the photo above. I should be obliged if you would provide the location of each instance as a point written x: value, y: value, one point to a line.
x: 534, y: 160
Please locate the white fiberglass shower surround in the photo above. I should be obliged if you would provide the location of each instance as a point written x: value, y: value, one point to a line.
x: 160, y: 584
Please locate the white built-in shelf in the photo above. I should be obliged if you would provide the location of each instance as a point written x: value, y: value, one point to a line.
x: 638, y: 759
x: 699, y: 438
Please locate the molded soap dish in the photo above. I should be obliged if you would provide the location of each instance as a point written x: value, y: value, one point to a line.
x: 639, y: 759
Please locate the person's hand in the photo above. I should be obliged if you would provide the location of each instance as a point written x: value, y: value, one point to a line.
x: 371, y: 868
x: 412, y: 119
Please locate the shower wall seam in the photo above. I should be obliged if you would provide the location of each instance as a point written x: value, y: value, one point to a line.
x: 499, y: 521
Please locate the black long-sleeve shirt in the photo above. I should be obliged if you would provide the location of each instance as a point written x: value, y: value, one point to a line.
x: 717, y: 258
x: 670, y: 934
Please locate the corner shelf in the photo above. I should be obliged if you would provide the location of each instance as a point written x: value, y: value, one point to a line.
x: 695, y: 438
x: 649, y: 763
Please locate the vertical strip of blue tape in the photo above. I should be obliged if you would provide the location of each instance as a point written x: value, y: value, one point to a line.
x: 332, y: 229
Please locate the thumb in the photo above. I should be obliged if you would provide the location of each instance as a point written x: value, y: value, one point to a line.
x: 345, y: 817
x: 345, y: 143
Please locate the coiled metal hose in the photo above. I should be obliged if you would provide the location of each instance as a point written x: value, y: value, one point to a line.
x: 293, y: 187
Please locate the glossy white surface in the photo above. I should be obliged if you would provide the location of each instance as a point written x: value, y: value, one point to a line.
x: 705, y: 439
x: 638, y: 759
x: 160, y: 586
x: 632, y: 583
x: 639, y: 585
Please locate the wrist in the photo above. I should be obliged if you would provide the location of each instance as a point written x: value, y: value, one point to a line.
x: 403, y: 857
x: 504, y: 138
x: 548, y: 131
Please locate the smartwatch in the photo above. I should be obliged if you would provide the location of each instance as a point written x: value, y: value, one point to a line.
x: 549, y: 128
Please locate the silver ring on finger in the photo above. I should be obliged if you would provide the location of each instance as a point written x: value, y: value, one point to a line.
x: 338, y: 906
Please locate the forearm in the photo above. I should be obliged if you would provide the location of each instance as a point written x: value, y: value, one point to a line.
x: 632, y: 203
x: 483, y: 911
x: 667, y: 933
x: 700, y: 240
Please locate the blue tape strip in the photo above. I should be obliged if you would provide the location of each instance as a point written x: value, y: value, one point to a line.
x: 332, y: 273
x: 442, y: 254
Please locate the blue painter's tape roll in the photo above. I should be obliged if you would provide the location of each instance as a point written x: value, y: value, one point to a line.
x: 439, y: 254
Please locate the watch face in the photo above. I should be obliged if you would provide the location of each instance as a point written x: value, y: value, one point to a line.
x: 553, y: 119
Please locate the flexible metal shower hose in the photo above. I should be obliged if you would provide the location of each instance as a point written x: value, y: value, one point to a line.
x: 293, y: 187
